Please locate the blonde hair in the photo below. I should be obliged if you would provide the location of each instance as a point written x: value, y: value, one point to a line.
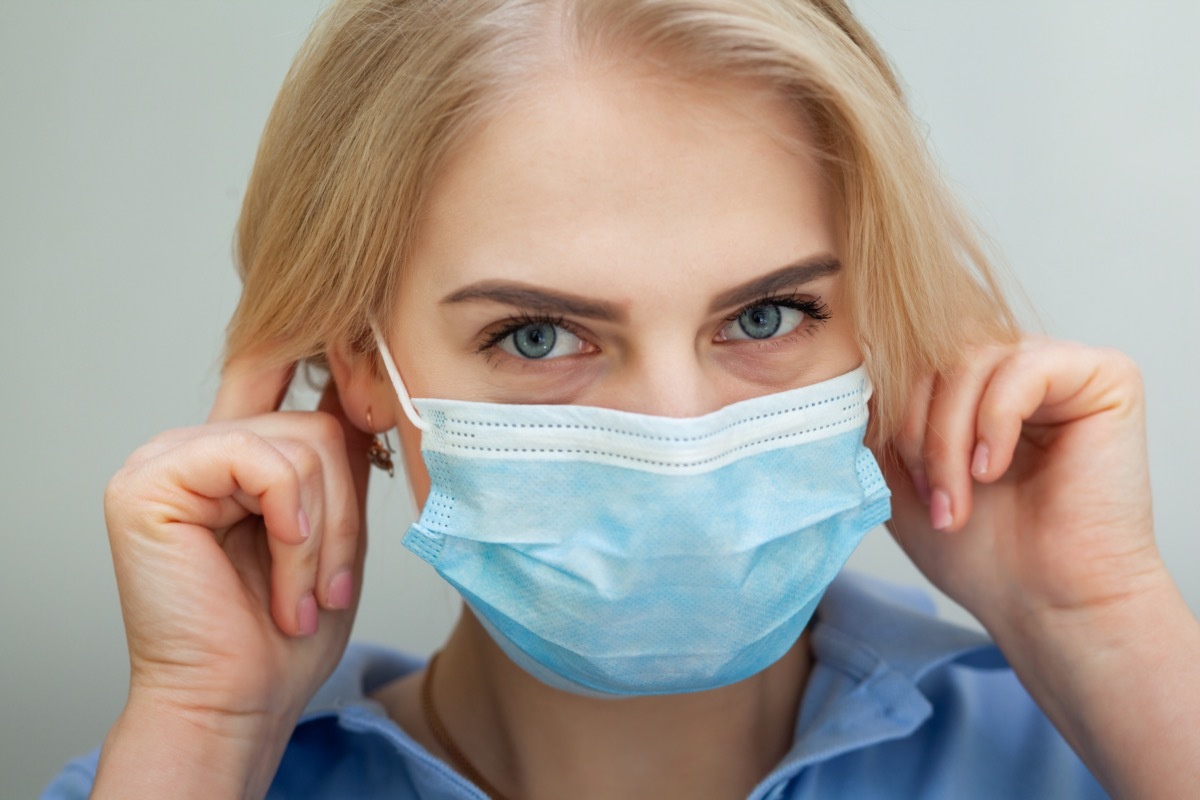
x: 383, y: 90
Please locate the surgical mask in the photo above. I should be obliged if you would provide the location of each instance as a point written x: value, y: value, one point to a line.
x: 610, y: 553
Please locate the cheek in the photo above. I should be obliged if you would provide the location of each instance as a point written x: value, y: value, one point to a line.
x: 842, y: 350
x: 562, y: 380
x: 788, y: 365
x: 414, y: 466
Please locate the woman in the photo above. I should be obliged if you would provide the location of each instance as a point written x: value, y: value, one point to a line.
x: 638, y: 260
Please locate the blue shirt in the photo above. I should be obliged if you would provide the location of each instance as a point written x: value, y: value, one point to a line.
x: 899, y: 704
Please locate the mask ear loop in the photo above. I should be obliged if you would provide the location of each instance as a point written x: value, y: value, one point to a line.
x: 397, y: 381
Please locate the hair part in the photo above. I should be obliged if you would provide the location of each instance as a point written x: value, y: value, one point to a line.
x: 383, y: 91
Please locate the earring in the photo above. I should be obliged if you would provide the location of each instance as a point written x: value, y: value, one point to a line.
x: 380, y: 451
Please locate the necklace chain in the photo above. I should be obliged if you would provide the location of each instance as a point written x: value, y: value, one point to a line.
x: 446, y: 741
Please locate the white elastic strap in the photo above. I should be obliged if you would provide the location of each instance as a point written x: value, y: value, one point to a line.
x: 397, y: 381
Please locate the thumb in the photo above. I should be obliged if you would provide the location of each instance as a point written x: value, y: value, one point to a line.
x: 251, y: 384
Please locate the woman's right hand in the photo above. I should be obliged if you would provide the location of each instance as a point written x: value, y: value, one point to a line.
x: 238, y: 547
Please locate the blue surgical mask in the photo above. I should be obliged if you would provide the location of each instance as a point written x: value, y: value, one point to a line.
x: 617, y: 554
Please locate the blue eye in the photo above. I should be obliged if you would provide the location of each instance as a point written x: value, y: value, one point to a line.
x: 534, y: 341
x: 763, y: 321
x: 537, y: 340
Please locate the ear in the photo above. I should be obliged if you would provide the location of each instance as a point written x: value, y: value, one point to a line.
x: 365, y: 389
x: 361, y: 389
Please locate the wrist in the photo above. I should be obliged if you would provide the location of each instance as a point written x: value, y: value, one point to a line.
x: 1100, y: 597
x: 1114, y: 677
x: 158, y: 748
x: 1116, y: 616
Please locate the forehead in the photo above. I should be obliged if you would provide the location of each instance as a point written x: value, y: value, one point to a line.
x: 587, y: 180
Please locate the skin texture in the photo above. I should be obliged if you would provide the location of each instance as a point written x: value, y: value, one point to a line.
x: 1019, y: 479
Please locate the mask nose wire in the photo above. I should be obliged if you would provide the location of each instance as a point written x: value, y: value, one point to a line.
x: 397, y: 381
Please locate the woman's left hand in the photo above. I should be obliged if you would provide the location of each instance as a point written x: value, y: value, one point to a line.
x: 1027, y: 500
x: 1027, y: 486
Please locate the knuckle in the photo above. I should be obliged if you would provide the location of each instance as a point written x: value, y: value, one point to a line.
x: 306, y: 557
x: 1126, y: 373
x: 141, y: 455
x: 118, y: 491
x: 1026, y: 357
x: 124, y: 500
x: 996, y: 415
x: 242, y: 439
x: 301, y: 563
x: 296, y: 563
x: 157, y: 445
x: 170, y: 436
x: 343, y: 525
x: 1122, y: 366
x: 326, y: 427
x: 936, y: 447
x: 306, y: 461
x: 976, y: 362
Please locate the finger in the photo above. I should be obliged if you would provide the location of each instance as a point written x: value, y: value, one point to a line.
x: 909, y: 443
x: 195, y: 484
x: 294, y: 564
x: 1011, y: 397
x: 339, y: 572
x: 356, y: 443
x: 331, y: 572
x: 344, y: 541
x: 1084, y: 381
x: 1048, y: 386
x: 250, y: 385
x: 950, y: 439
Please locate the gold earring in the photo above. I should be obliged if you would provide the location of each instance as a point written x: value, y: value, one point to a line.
x: 380, y: 451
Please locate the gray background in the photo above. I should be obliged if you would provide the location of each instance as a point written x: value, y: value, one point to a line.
x: 128, y: 128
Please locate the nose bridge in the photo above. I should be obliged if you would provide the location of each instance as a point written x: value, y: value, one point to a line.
x: 666, y: 378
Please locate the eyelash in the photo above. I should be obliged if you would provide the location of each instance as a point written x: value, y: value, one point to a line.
x: 817, y: 312
x: 514, y: 324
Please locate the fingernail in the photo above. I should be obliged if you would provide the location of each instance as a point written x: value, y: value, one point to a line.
x: 305, y: 530
x: 306, y: 615
x: 979, y: 462
x: 341, y: 590
x: 921, y: 484
x: 939, y: 510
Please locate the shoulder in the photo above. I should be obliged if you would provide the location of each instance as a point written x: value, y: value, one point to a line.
x: 346, y: 745
x: 902, y: 704
x: 343, y: 746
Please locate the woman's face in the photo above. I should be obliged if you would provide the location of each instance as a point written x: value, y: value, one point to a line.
x: 635, y: 244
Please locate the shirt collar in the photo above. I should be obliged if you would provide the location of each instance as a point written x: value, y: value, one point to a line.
x: 863, y: 621
x: 363, y: 670
x: 872, y: 644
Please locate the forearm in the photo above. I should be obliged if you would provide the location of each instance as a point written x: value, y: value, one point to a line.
x: 155, y: 751
x: 1122, y: 684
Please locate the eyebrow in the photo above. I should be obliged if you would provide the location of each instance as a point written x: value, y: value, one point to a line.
x: 539, y: 300
x: 797, y: 274
x: 544, y: 301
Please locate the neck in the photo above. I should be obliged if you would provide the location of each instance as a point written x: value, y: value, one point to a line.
x: 532, y: 741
